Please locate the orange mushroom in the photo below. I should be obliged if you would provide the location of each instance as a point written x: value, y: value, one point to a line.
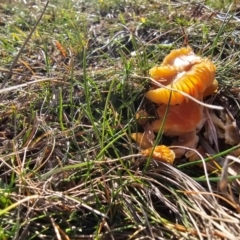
x: 160, y: 153
x: 211, y: 89
x: 181, y: 58
x: 181, y: 70
x: 141, y: 140
x: 180, y: 119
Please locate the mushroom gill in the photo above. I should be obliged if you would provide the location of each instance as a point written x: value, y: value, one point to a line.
x: 183, y: 71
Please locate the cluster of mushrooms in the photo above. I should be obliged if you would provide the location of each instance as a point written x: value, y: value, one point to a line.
x: 182, y: 78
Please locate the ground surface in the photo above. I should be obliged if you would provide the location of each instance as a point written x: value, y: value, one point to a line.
x: 70, y: 87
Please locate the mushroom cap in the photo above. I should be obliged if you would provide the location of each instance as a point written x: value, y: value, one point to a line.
x: 181, y: 70
x: 211, y: 89
x: 141, y: 140
x: 163, y: 74
x: 172, y: 64
x: 160, y: 153
x: 180, y: 119
x: 181, y: 58
x: 193, y: 82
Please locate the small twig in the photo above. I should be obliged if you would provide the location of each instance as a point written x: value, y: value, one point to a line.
x: 27, y: 84
x: 9, y: 74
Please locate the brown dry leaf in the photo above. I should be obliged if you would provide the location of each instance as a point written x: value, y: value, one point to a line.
x: 231, y: 131
x: 227, y: 130
x: 188, y: 140
x: 193, y: 156
x: 160, y: 153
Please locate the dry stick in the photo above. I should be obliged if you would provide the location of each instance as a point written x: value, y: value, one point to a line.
x: 9, y: 74
x: 8, y: 89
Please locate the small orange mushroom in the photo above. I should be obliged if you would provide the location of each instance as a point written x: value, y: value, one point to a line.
x: 181, y: 70
x: 211, y: 89
x: 141, y: 140
x: 160, y: 153
x: 180, y: 119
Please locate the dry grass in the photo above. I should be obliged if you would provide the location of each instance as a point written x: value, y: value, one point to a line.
x: 68, y: 167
